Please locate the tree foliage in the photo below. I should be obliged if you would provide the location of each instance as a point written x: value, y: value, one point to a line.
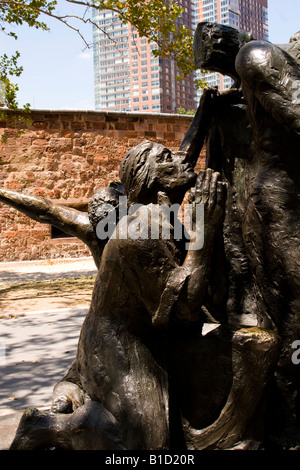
x: 157, y: 20
x: 190, y: 112
x: 8, y: 92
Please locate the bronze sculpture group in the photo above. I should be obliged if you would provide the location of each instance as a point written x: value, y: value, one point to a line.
x: 145, y: 377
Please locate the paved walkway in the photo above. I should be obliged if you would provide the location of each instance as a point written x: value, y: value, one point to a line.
x: 27, y: 271
x: 36, y: 348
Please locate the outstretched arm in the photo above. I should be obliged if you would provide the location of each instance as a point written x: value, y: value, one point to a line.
x: 42, y: 210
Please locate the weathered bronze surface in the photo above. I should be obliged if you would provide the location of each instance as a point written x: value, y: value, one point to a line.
x: 145, y: 376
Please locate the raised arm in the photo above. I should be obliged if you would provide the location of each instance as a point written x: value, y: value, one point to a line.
x: 215, y: 49
x: 186, y: 286
x: 193, y: 140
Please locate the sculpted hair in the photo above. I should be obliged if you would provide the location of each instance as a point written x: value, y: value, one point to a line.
x: 135, y: 170
x: 103, y: 201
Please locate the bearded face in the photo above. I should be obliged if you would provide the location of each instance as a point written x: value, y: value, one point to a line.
x: 151, y: 167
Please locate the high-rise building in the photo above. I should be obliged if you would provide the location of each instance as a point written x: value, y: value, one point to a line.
x: 254, y: 18
x: 247, y: 15
x: 128, y: 77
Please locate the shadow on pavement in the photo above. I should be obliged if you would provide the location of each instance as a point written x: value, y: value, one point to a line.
x: 12, y: 277
x: 39, y: 349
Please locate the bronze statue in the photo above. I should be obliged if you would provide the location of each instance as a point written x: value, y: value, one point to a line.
x: 118, y: 393
x: 145, y: 376
x: 253, y: 140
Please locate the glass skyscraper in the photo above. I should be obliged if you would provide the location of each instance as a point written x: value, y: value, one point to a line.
x: 127, y: 75
x: 129, y: 78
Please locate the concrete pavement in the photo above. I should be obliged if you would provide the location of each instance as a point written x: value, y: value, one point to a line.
x: 43, y: 270
x: 36, y: 348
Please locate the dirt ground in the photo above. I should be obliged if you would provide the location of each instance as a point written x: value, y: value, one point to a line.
x: 45, y: 295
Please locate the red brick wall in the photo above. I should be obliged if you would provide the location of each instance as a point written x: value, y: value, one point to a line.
x: 64, y: 156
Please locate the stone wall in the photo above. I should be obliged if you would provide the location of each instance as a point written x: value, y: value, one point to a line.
x: 64, y: 156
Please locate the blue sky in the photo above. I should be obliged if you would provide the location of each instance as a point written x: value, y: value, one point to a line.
x: 58, y: 70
